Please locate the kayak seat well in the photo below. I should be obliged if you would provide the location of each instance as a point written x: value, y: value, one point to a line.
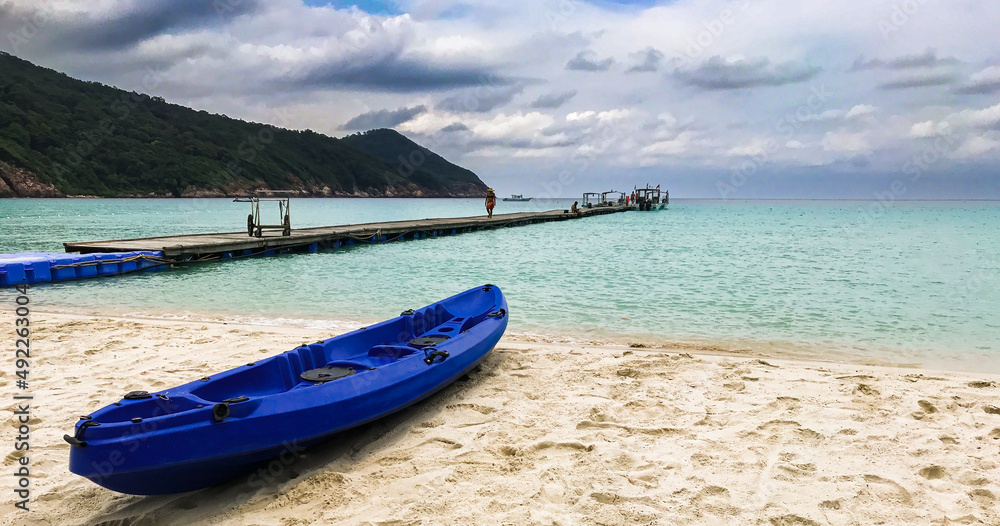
x: 426, y: 319
x: 384, y: 354
x: 469, y: 323
x: 266, y: 377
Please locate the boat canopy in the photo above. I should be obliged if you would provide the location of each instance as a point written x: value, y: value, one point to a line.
x: 651, y: 194
x: 604, y: 197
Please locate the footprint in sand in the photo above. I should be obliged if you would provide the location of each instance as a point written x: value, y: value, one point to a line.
x: 571, y: 446
x: 434, y: 422
x: 866, y: 390
x: 886, y: 489
x: 927, y: 407
x: 482, y: 409
x: 555, y: 490
x: 792, y: 520
x: 645, y: 477
x: 701, y: 459
x: 785, y: 403
x: 933, y: 472
x: 797, y: 471
x: 393, y: 460
x: 628, y: 372
x: 445, y: 442
x: 780, y: 429
x: 607, y: 497
x: 983, y: 497
x: 632, y: 430
x: 646, y: 409
x: 715, y: 499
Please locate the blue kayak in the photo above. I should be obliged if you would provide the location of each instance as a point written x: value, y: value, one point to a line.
x: 219, y: 427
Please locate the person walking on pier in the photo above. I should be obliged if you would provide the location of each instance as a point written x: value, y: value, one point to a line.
x: 491, y: 201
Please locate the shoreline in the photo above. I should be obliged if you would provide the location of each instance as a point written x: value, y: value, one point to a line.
x: 821, y: 352
x: 548, y: 433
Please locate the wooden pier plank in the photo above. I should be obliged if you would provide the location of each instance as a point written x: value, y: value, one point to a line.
x: 217, y: 243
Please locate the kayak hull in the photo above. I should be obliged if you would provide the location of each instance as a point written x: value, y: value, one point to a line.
x: 220, y: 427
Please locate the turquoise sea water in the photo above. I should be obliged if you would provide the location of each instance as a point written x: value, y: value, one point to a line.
x: 910, y: 282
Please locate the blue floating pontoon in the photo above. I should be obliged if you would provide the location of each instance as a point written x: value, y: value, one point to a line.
x: 42, y: 267
x: 211, y: 430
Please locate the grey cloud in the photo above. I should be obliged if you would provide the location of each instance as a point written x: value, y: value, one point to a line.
x: 717, y: 74
x: 984, y: 87
x: 918, y: 82
x: 928, y: 59
x: 469, y: 142
x: 645, y: 60
x: 525, y: 144
x: 587, y: 61
x: 394, y: 74
x: 383, y: 118
x: 129, y: 27
x: 480, y: 100
x: 553, y: 100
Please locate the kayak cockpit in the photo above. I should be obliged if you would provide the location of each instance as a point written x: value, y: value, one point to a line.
x: 413, y: 335
x: 385, y: 343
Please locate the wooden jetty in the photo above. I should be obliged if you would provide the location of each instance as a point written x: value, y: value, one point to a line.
x: 197, y: 247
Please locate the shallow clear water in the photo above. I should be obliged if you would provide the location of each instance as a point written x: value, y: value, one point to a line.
x: 911, y: 282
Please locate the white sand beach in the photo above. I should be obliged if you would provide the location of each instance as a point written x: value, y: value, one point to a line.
x: 547, y: 434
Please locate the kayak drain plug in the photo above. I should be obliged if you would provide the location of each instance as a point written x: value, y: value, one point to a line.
x: 220, y: 412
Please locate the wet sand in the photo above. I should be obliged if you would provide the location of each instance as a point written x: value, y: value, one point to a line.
x: 547, y: 433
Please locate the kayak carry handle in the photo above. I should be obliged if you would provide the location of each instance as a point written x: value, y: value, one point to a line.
x: 437, y: 352
x: 76, y: 441
x: 73, y: 441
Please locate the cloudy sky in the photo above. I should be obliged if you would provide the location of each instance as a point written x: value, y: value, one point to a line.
x: 737, y: 99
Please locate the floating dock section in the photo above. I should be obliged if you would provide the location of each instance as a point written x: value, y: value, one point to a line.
x: 43, y: 267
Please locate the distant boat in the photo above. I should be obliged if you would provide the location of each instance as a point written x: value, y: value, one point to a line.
x: 650, y: 198
x: 517, y: 197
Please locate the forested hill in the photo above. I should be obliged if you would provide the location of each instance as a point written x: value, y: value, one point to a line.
x: 62, y: 136
x: 428, y: 169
